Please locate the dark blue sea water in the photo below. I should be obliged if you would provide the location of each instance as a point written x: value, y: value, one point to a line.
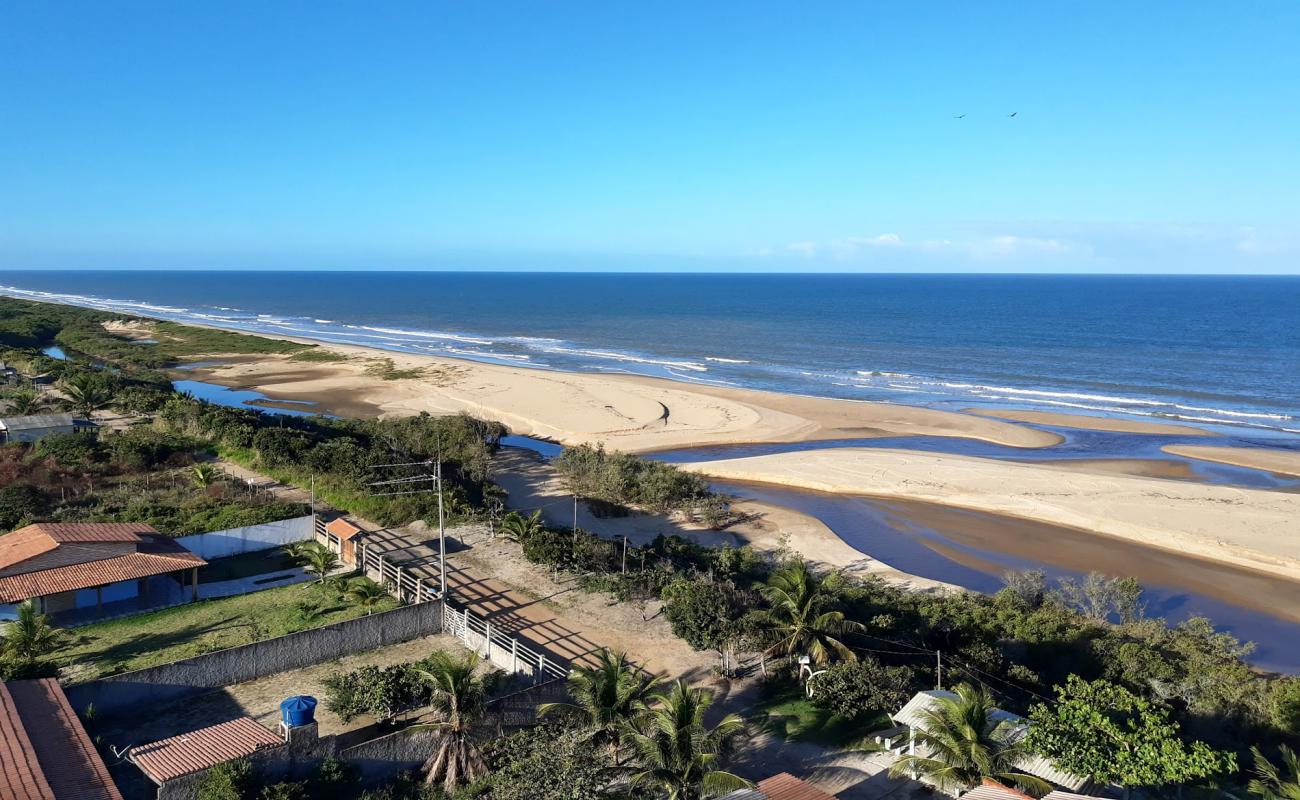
x: 1217, y: 350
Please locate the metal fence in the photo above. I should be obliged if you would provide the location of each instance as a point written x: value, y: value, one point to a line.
x: 402, y: 583
x: 501, y: 649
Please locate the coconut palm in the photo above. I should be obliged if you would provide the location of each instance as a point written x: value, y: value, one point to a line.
x: 366, y: 593
x: 204, y: 475
x: 676, y: 755
x: 29, y: 638
x: 958, y: 745
x: 321, y: 561
x: 457, y: 706
x: 24, y: 402
x: 518, y: 528
x: 608, y: 697
x: 1274, y: 783
x: 85, y: 393
x: 798, y: 600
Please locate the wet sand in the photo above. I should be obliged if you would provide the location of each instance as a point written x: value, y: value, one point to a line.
x: 1251, y: 528
x: 1142, y: 467
x: 1090, y: 422
x: 1279, y: 462
x: 1067, y: 548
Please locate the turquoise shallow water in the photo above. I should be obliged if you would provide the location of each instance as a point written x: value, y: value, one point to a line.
x: 1214, y: 350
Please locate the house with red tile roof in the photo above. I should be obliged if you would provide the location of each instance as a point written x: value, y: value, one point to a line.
x: 64, y: 567
x: 780, y: 787
x: 45, y: 753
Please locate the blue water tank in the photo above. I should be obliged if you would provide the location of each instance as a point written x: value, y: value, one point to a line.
x: 298, y: 710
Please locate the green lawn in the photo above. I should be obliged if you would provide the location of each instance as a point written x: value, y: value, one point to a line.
x: 146, y: 640
x: 794, y: 718
x: 241, y: 566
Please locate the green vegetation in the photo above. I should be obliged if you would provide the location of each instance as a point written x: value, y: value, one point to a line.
x: 607, y: 699
x: 795, y: 718
x: 963, y: 745
x: 145, y: 640
x: 237, y: 780
x: 457, y: 707
x: 318, y: 356
x: 385, y: 369
x: 25, y: 324
x: 618, y: 480
x: 1109, y: 734
x: 139, y: 475
x: 863, y: 688
x: 341, y: 453
x: 27, y: 643
x: 679, y: 757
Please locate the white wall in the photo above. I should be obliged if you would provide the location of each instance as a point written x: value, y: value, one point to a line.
x: 235, y: 541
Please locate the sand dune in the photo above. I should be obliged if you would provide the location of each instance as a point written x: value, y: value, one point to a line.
x: 1252, y: 528
x: 1282, y: 462
x: 626, y: 412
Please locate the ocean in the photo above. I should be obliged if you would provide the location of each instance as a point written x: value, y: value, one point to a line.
x: 1222, y: 351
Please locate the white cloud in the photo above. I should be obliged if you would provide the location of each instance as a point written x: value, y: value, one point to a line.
x: 992, y: 248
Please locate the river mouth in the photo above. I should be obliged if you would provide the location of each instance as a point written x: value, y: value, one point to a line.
x: 975, y: 549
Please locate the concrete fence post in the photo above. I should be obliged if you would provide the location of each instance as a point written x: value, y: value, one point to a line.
x: 514, y: 655
x: 487, y: 640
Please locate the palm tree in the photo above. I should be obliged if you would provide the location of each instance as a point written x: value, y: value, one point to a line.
x: 677, y: 755
x: 518, y: 528
x: 25, y: 402
x: 366, y: 593
x: 321, y: 561
x: 204, y: 475
x: 1272, y: 783
x: 29, y: 638
x: 608, y: 697
x: 797, y: 598
x: 85, y: 393
x: 958, y: 745
x: 457, y: 706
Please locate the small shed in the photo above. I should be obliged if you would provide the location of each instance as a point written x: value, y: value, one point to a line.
x: 35, y: 427
x: 340, y: 535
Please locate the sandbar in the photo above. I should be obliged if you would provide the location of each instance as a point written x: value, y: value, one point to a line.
x: 1091, y: 423
x: 1280, y: 462
x: 1252, y: 528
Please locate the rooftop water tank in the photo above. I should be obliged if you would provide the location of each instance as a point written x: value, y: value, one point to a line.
x: 298, y: 710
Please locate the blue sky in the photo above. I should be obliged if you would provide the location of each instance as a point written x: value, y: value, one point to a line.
x: 1149, y: 137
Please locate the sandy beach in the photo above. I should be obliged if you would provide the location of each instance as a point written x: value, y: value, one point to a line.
x: 1091, y: 423
x: 1281, y: 462
x: 1250, y: 528
x: 626, y: 412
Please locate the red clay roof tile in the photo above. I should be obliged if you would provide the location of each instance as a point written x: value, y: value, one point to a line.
x: 45, y: 753
x: 197, y: 750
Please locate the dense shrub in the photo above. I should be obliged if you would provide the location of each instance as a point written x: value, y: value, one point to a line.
x: 622, y: 479
x: 21, y: 504
x: 863, y: 688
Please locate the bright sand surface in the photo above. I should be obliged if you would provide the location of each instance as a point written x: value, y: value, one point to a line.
x: 1252, y: 528
x: 1092, y: 423
x: 1282, y: 462
x: 626, y: 412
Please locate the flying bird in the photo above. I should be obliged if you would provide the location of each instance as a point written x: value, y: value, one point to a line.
x: 960, y: 116
x: 1013, y: 113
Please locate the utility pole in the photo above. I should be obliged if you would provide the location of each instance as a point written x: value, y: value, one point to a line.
x: 938, y: 669
x: 625, y: 554
x: 442, y: 534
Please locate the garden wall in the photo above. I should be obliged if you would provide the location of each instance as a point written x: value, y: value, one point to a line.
x: 141, y: 690
x: 236, y: 541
